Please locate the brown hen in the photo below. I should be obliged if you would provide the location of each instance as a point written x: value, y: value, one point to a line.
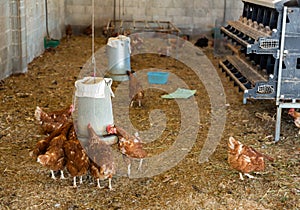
x: 77, y: 160
x: 69, y: 31
x: 53, y: 120
x: 88, y: 30
x: 130, y: 146
x: 54, y: 158
x: 296, y: 117
x: 102, y: 165
x: 42, y: 145
x: 245, y: 159
x: 136, y: 92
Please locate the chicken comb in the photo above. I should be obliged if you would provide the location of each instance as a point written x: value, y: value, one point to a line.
x: 291, y: 110
x: 108, y: 128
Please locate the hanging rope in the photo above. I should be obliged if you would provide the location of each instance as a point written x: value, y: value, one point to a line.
x: 93, y: 39
x: 93, y: 57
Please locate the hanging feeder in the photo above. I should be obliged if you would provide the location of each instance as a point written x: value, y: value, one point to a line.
x: 93, y: 102
x: 118, y: 51
x: 93, y: 96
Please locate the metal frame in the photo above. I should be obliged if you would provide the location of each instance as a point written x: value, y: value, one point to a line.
x: 278, y: 103
x: 121, y: 26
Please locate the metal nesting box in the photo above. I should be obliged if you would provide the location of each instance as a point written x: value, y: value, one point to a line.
x: 267, y: 64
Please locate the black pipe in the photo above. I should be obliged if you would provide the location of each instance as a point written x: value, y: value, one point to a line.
x: 119, y: 9
x: 46, y: 7
x: 224, y: 12
x: 114, y: 12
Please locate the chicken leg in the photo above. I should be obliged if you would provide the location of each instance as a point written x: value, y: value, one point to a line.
x: 109, y: 183
x: 249, y: 176
x: 127, y: 160
x: 74, y: 182
x: 62, y: 175
x: 129, y: 169
x: 98, y: 184
x: 140, y: 165
x: 246, y: 174
x: 52, y: 174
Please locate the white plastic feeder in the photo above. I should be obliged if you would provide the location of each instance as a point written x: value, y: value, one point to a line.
x: 93, y: 95
x: 118, y: 51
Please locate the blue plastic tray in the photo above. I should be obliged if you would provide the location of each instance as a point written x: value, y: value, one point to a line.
x: 158, y: 77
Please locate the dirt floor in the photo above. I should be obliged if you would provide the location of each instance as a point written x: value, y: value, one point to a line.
x: 49, y: 83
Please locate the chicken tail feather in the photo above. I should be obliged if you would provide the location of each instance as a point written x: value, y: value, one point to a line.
x: 268, y: 158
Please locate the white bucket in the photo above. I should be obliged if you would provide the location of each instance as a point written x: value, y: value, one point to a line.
x: 93, y: 95
x: 118, y: 51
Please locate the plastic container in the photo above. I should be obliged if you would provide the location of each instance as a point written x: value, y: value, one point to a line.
x: 118, y: 51
x: 93, y: 97
x: 50, y: 43
x: 158, y: 77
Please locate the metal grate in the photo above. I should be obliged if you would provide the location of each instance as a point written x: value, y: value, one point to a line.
x: 265, y: 89
x: 269, y: 43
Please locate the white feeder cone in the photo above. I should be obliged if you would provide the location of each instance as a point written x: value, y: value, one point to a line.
x: 93, y: 95
x: 118, y: 51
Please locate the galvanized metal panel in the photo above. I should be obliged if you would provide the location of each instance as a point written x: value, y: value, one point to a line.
x: 267, y: 3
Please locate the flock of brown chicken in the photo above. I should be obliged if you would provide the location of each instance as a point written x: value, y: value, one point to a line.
x: 61, y: 149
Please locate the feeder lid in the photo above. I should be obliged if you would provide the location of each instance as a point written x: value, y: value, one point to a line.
x: 93, y: 87
x: 113, y: 41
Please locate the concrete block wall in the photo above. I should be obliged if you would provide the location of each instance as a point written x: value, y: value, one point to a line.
x: 56, y: 19
x: 35, y: 27
x: 78, y: 13
x: 23, y: 28
x: 18, y: 32
x: 5, y: 39
x: 36, y: 24
x: 192, y: 16
x: 13, y: 34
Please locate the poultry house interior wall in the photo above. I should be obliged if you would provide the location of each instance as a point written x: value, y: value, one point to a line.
x: 192, y: 16
x: 5, y: 36
x: 24, y: 21
x: 36, y: 24
x: 23, y: 24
